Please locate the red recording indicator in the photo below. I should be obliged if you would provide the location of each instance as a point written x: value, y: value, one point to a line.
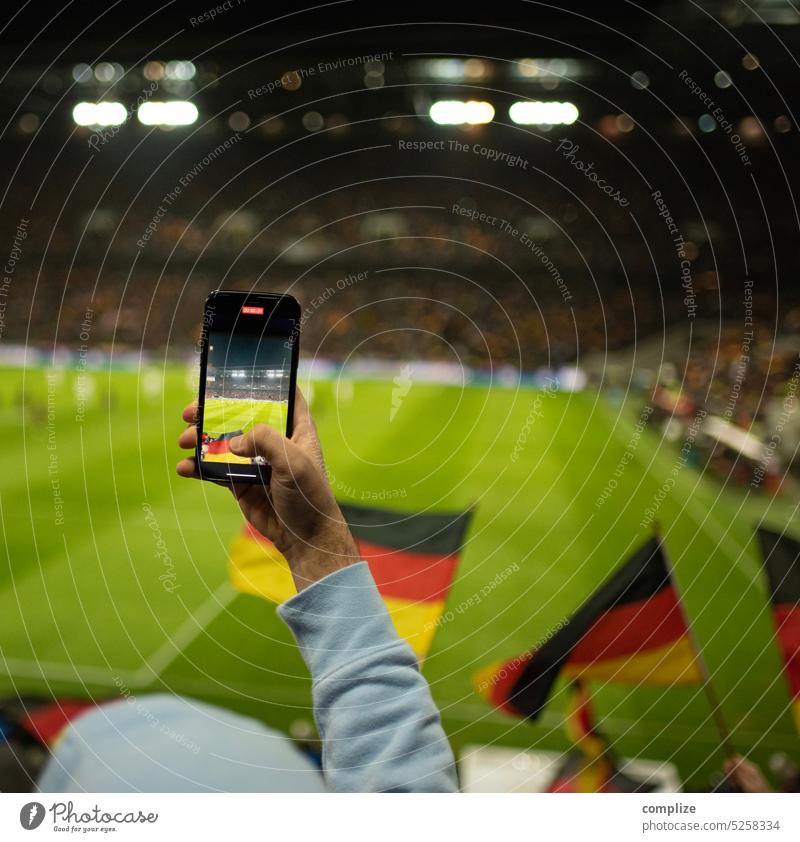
x: 253, y: 311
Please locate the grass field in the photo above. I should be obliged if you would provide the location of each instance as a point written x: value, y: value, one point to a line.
x: 114, y: 574
x: 225, y: 415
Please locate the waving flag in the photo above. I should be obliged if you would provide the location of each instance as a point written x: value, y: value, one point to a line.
x: 631, y: 631
x: 782, y: 561
x: 591, y: 766
x: 413, y: 558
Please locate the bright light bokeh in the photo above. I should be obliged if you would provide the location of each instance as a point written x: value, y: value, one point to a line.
x: 99, y: 113
x: 454, y: 112
x: 172, y: 113
x: 535, y: 113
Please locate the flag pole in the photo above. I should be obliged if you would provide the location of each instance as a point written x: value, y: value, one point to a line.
x: 705, y: 676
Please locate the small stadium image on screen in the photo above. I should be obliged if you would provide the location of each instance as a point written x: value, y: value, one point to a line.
x: 247, y: 383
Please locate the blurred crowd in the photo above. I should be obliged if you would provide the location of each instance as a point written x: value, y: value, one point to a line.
x: 434, y: 262
x: 445, y: 269
x: 737, y: 378
x: 744, y: 385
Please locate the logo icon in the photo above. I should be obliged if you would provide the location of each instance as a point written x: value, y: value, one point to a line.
x: 402, y: 386
x: 31, y: 815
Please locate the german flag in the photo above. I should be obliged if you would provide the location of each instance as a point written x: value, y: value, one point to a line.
x: 221, y: 444
x: 631, y: 631
x: 579, y: 724
x: 595, y: 770
x: 574, y: 775
x: 219, y: 449
x: 592, y: 767
x: 412, y: 556
x: 782, y: 562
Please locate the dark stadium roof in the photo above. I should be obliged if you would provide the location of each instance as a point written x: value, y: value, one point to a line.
x: 251, y: 26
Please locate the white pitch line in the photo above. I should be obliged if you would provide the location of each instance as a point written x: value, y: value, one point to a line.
x: 191, y: 628
x: 52, y: 671
x: 723, y: 535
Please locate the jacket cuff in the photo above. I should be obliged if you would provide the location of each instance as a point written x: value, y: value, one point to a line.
x: 338, y: 618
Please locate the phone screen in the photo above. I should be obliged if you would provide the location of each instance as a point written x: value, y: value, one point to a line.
x: 249, y: 373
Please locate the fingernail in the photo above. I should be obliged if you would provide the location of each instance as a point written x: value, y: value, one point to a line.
x: 235, y: 444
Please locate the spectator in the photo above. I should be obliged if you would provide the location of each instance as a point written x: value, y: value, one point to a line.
x: 379, y: 727
x: 745, y: 775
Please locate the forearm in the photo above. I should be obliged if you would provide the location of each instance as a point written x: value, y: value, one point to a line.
x: 380, y: 729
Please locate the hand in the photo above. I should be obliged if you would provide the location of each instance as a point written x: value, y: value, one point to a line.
x: 745, y: 776
x: 297, y: 510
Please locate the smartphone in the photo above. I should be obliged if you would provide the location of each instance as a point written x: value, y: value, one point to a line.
x: 248, y: 375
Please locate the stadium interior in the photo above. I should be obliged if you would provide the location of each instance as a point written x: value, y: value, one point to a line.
x: 547, y: 263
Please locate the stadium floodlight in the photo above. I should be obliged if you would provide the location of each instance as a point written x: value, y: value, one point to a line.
x: 534, y: 113
x: 99, y: 113
x: 172, y: 113
x: 454, y: 112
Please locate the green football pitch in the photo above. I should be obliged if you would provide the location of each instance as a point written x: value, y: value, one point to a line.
x: 114, y: 578
x: 221, y: 415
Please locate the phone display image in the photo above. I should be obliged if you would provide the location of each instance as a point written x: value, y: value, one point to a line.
x: 248, y: 376
x: 247, y: 383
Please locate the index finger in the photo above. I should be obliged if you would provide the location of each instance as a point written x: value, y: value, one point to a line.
x: 302, y: 422
x: 304, y: 430
x: 189, y: 413
x: 302, y: 413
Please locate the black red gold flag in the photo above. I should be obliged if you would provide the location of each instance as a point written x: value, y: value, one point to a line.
x: 631, y: 630
x: 413, y: 558
x: 782, y: 562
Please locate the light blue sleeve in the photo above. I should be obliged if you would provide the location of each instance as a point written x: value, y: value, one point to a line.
x: 380, y: 728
